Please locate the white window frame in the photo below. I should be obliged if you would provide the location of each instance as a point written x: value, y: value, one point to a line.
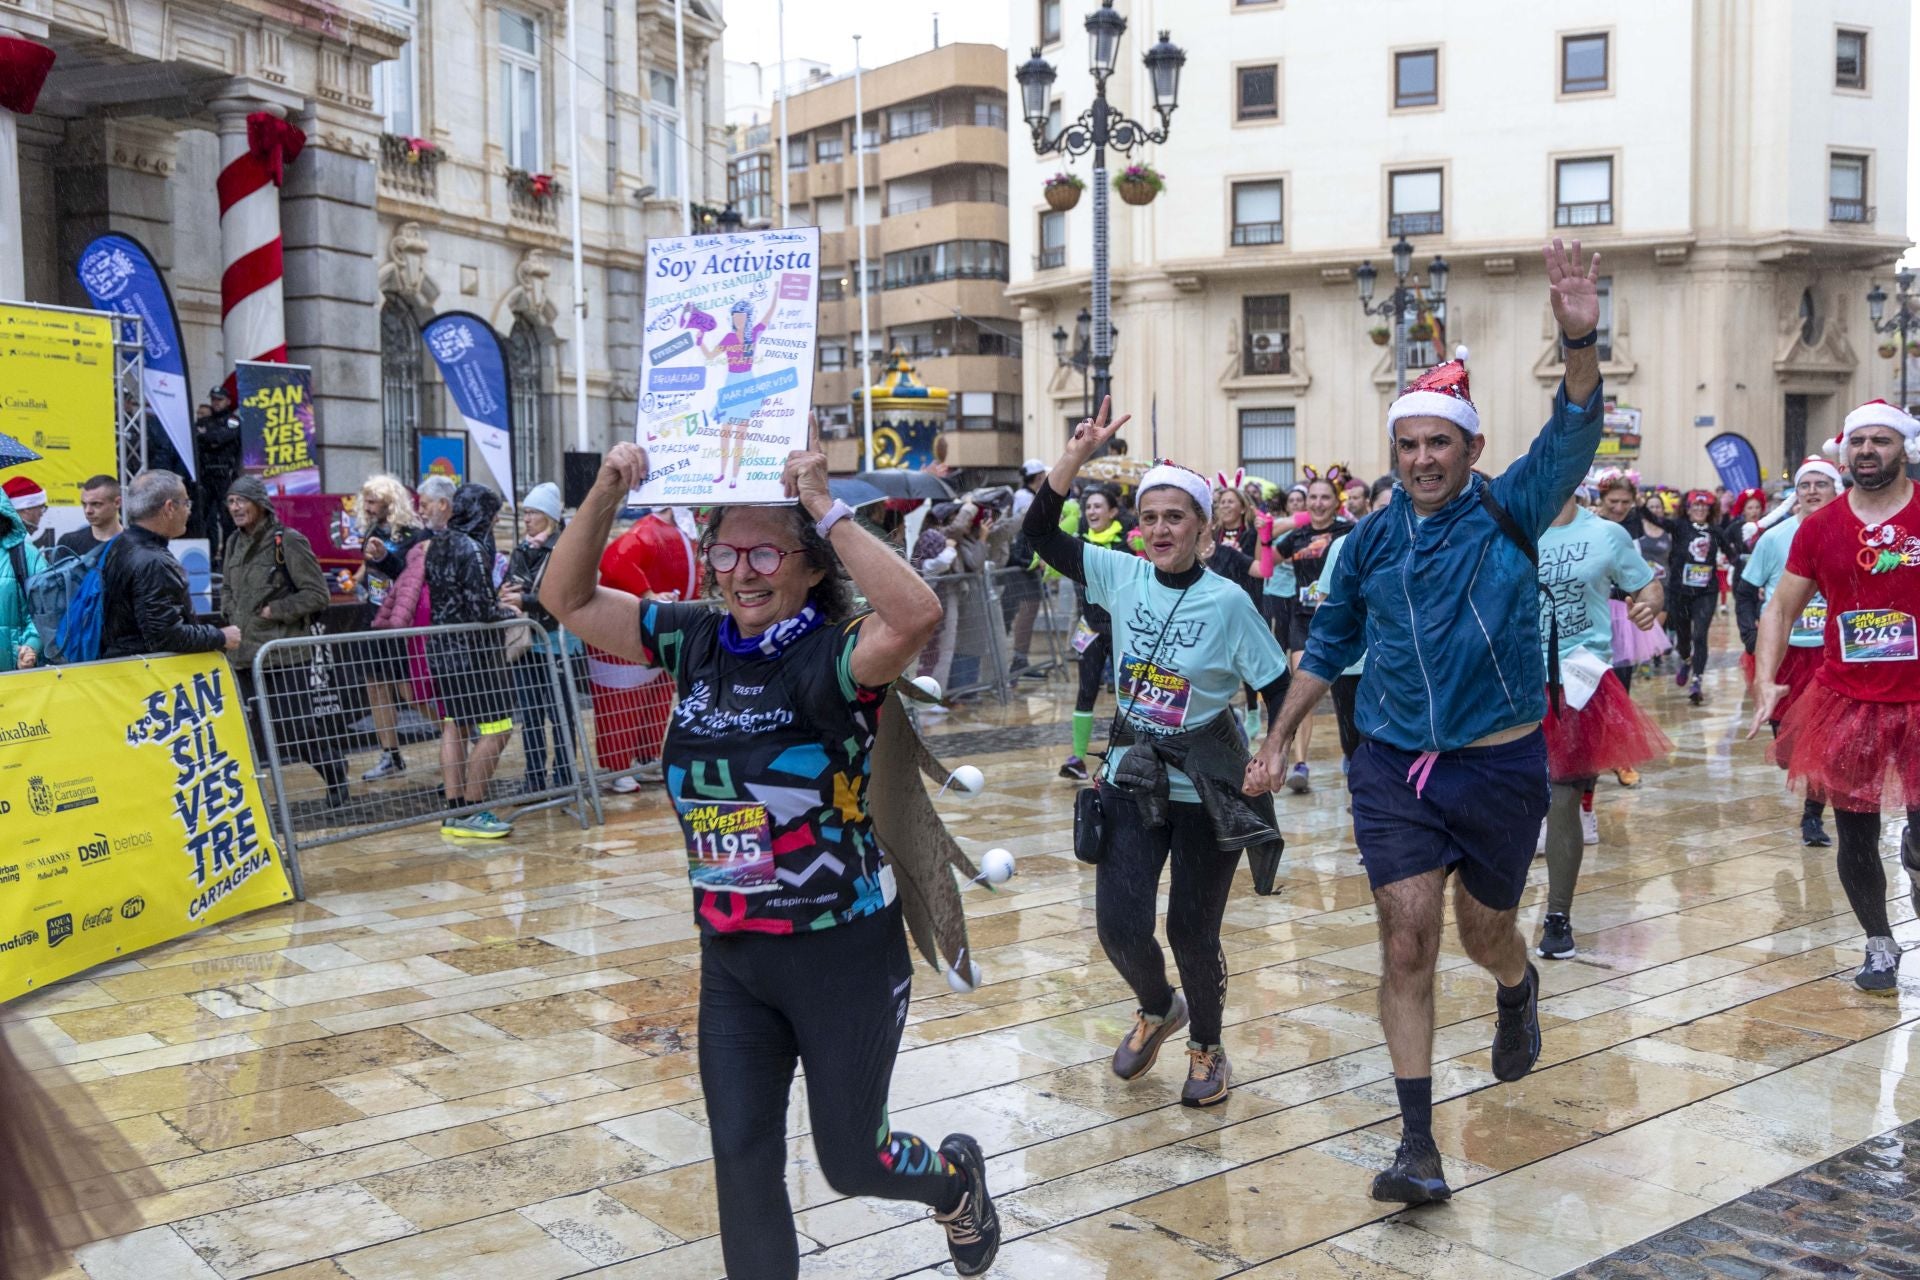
x: 663, y: 142
x: 400, y: 15
x: 515, y: 60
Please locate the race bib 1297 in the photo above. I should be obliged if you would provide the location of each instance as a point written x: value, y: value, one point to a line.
x: 1877, y: 635
x: 1150, y: 694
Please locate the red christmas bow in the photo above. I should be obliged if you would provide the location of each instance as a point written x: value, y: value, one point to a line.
x: 274, y: 143
x: 23, y: 70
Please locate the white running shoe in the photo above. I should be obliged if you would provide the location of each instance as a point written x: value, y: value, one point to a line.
x: 623, y: 785
x: 650, y: 771
x: 1589, y: 827
x: 1540, y: 845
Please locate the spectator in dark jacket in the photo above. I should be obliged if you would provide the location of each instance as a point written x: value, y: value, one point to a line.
x: 540, y: 519
x: 148, y: 607
x: 216, y: 442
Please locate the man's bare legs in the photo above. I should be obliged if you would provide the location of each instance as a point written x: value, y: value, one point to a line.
x: 1490, y: 938
x: 1410, y: 922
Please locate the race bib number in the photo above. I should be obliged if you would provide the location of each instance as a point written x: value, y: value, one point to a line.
x: 1083, y: 635
x: 1813, y: 619
x: 1313, y: 595
x: 1877, y: 635
x: 729, y: 845
x: 1150, y: 694
x: 1696, y: 576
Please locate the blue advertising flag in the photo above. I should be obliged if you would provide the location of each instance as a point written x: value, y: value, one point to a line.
x: 119, y: 275
x: 1735, y: 460
x: 473, y: 361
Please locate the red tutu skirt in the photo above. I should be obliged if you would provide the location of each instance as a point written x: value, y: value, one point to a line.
x: 1610, y: 732
x: 1630, y: 643
x: 1796, y: 672
x: 1859, y: 756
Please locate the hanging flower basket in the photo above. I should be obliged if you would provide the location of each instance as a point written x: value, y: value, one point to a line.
x: 1380, y: 334
x: 1139, y: 183
x: 1913, y: 348
x: 1888, y: 350
x: 1420, y: 331
x: 1062, y: 191
x: 537, y: 187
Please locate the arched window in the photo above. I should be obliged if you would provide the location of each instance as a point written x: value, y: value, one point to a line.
x: 526, y: 373
x: 399, y: 388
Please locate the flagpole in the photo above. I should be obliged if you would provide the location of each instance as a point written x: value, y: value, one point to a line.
x: 686, y: 114
x: 780, y: 22
x: 579, y: 258
x: 860, y: 229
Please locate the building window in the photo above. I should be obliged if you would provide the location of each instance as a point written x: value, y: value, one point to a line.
x: 990, y: 113
x: 1847, y: 189
x: 520, y: 89
x: 797, y: 152
x: 1258, y: 97
x: 1056, y: 119
x: 1416, y: 78
x: 400, y: 367
x: 832, y: 288
x: 829, y: 147
x: 663, y: 135
x: 1257, y: 213
x: 954, y: 260
x: 1049, y: 21
x: 1266, y: 444
x: 1850, y: 60
x: 994, y: 343
x: 1053, y: 241
x: 526, y: 382
x: 919, y: 341
x: 1264, y: 352
x: 986, y: 411
x: 1413, y: 203
x: 750, y: 186
x: 1604, y: 286
x: 833, y: 356
x: 396, y: 84
x: 910, y: 121
x: 1583, y: 193
x: 1583, y: 63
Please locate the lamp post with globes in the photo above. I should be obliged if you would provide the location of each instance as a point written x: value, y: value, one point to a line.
x: 1098, y: 128
x: 1901, y: 322
x: 1081, y: 357
x: 1396, y: 306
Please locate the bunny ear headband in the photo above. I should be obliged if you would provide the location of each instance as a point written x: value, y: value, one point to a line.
x: 1221, y: 480
x: 1309, y: 473
x: 1339, y: 474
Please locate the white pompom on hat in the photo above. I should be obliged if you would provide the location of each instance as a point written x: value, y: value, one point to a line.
x: 1440, y: 392
x: 1818, y: 466
x: 1877, y: 413
x: 1191, y: 483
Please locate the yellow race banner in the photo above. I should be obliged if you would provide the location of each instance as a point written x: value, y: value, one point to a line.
x: 56, y: 395
x: 131, y: 815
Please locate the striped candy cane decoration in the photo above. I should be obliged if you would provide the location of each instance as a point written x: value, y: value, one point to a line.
x: 252, y: 311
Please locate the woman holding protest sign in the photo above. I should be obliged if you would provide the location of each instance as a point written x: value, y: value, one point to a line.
x: 803, y: 955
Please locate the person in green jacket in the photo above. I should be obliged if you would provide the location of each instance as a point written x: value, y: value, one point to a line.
x: 19, y: 641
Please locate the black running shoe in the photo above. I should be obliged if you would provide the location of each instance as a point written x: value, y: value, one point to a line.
x: 973, y: 1228
x: 1074, y: 768
x: 1910, y: 859
x: 1694, y: 695
x: 1881, y: 972
x: 1516, y: 1033
x: 1415, y: 1176
x: 1680, y: 676
x: 1813, y: 833
x: 1556, y: 937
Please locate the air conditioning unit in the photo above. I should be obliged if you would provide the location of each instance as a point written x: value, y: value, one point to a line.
x: 1269, y: 351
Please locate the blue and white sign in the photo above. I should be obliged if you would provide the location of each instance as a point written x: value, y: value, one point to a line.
x: 1733, y: 457
x: 473, y: 361
x: 119, y: 275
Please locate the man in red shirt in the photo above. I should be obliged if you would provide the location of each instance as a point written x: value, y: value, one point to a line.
x: 1853, y: 737
x: 653, y: 560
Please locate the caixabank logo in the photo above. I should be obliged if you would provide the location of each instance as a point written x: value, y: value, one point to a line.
x: 59, y: 928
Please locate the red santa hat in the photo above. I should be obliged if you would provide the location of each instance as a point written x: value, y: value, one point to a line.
x: 1877, y: 413
x: 24, y: 493
x: 1440, y: 392
x: 1815, y: 465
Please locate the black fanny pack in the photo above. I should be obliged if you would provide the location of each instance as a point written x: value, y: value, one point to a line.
x: 1089, y: 826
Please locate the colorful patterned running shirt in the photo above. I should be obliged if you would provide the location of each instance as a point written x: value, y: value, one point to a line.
x: 766, y: 763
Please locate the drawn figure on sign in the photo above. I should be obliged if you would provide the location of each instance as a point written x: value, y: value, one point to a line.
x: 737, y: 346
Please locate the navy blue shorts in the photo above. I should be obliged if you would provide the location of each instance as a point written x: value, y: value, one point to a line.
x: 1480, y: 812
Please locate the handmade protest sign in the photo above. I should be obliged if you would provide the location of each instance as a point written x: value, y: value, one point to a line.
x: 729, y: 344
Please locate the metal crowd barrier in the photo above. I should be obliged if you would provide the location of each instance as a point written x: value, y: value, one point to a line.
x: 312, y: 703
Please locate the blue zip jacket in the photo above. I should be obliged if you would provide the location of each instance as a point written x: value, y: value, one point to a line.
x: 1446, y: 609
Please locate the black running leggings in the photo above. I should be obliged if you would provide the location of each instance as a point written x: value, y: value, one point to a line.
x: 1862, y: 874
x: 1126, y: 887
x: 834, y: 1000
x: 1692, y: 613
x: 1346, y: 697
x: 1093, y: 670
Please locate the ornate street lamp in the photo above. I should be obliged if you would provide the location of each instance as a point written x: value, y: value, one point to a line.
x: 1902, y: 322
x: 1397, y: 307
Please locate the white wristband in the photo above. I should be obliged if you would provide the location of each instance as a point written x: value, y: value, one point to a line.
x: 835, y: 514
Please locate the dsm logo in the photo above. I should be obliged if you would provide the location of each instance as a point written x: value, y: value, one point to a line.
x: 132, y: 907
x: 59, y: 928
x: 98, y: 849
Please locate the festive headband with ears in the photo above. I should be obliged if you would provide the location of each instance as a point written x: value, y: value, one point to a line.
x: 1221, y: 480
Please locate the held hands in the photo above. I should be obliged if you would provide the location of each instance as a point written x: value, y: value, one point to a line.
x: 1268, y: 767
x: 1575, y: 297
x: 1094, y: 432
x: 1642, y: 614
x: 805, y: 476
x: 622, y: 470
x: 1769, y: 696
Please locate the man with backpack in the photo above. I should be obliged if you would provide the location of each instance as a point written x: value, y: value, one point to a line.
x: 19, y: 640
x: 273, y: 589
x: 145, y: 604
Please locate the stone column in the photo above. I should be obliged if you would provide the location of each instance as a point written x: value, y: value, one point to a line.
x: 112, y: 175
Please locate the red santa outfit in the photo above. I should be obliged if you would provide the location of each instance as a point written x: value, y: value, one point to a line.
x: 631, y: 701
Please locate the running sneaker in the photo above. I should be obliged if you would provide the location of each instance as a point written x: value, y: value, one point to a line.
x: 1813, y: 832
x: 1298, y: 781
x: 477, y: 826
x: 1516, y: 1032
x: 1627, y: 777
x: 623, y: 785
x: 1910, y: 859
x: 1556, y: 937
x: 1074, y: 768
x: 649, y: 771
x: 1589, y: 828
x: 1134, y: 1058
x: 1415, y: 1176
x: 1208, y: 1076
x: 1881, y: 972
x: 1682, y: 674
x: 1253, y: 723
x: 973, y: 1228
x: 1694, y: 695
x: 392, y: 764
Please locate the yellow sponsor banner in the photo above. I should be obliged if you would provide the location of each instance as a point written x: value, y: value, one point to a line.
x: 56, y: 395
x: 130, y: 813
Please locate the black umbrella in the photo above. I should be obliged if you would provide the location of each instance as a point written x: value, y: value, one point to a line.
x: 854, y: 491
x: 13, y: 453
x: 900, y: 483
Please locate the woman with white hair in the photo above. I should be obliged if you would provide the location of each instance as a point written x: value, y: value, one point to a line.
x: 389, y: 527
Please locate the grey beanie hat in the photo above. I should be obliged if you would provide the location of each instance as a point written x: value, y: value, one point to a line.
x: 544, y: 498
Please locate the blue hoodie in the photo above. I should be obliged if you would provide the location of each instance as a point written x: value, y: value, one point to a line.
x: 1446, y: 608
x: 16, y: 627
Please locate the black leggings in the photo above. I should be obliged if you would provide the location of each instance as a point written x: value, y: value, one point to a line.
x: 1346, y: 695
x: 1692, y: 613
x: 1746, y: 612
x: 1093, y: 670
x: 834, y: 1000
x: 1623, y: 671
x: 1862, y: 874
x: 1126, y: 887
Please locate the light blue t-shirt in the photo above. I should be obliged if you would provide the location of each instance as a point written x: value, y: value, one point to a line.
x: 1178, y: 656
x: 1326, y: 575
x: 1579, y: 561
x: 1764, y: 567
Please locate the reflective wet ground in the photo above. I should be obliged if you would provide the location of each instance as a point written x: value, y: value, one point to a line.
x: 460, y: 1060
